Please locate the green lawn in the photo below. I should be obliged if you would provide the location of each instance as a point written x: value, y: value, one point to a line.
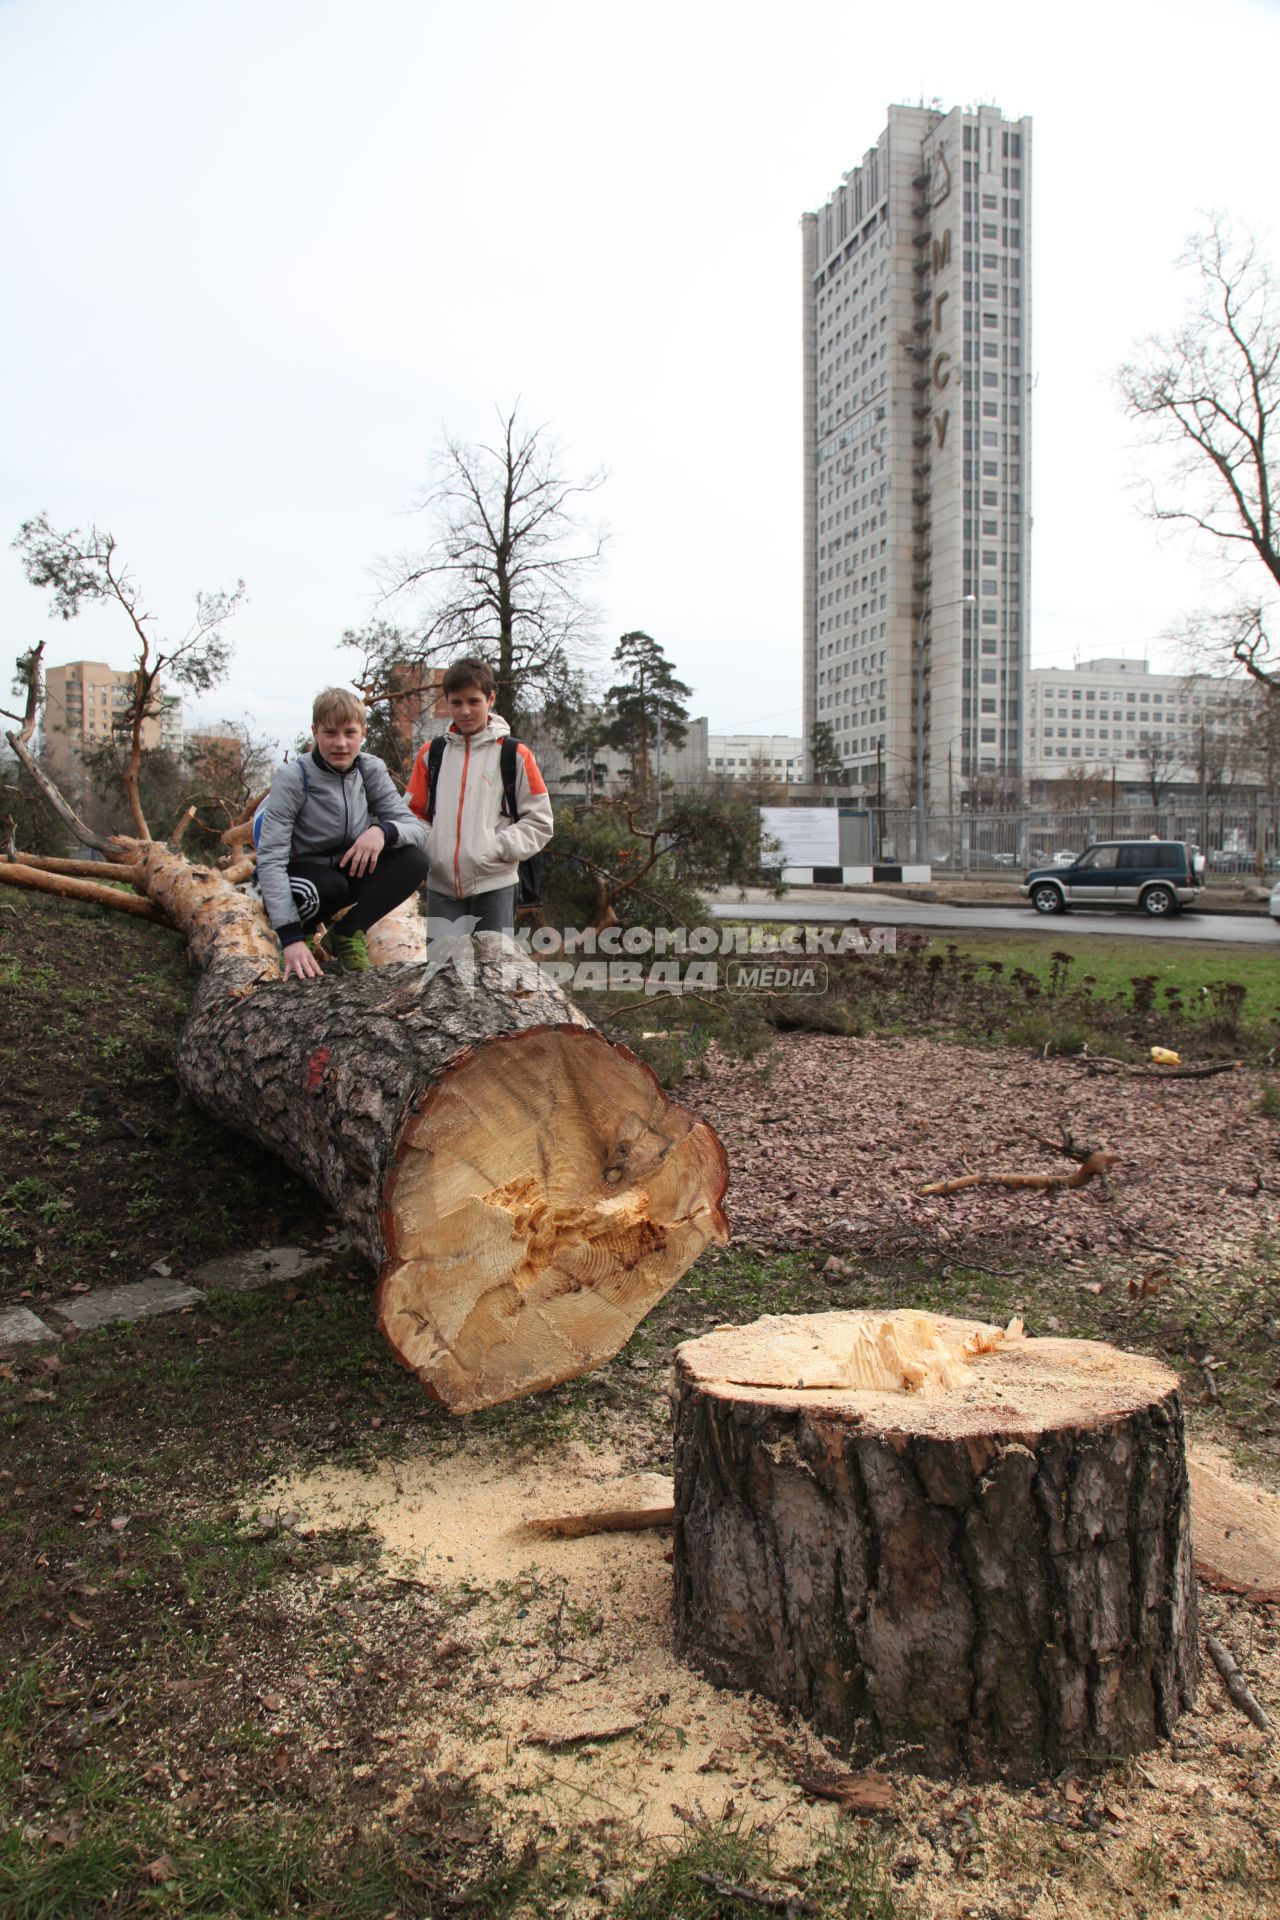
x: 1113, y: 965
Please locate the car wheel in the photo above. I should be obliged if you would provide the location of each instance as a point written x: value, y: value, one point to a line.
x: 1047, y: 899
x: 1158, y: 901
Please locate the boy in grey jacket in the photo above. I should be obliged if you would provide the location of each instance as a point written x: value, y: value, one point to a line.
x: 335, y: 833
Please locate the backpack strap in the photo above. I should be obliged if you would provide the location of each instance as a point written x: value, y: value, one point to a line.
x: 507, y: 767
x: 435, y: 754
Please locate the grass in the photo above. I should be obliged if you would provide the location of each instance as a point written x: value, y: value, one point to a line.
x: 103, y: 1158
x: 1113, y: 965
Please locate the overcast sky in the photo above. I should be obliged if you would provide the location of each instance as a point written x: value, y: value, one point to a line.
x: 261, y: 255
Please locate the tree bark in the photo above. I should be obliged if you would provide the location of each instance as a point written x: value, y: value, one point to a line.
x: 526, y: 1192
x: 971, y: 1558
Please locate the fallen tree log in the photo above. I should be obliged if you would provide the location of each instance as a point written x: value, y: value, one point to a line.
x: 966, y: 1548
x: 525, y: 1191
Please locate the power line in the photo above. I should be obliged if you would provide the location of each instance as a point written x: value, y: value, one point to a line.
x: 741, y: 725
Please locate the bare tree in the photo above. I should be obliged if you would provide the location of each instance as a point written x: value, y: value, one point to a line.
x: 503, y: 574
x: 1210, y: 392
x: 1080, y: 786
x: 83, y: 568
x: 1161, y: 759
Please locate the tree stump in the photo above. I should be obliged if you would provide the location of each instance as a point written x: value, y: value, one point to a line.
x: 936, y: 1539
x: 526, y: 1191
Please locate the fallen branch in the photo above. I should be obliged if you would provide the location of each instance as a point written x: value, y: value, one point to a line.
x: 1092, y: 1168
x: 15, y: 875
x: 78, y: 869
x: 1234, y: 1682
x: 238, y: 871
x: 785, y: 1903
x: 573, y: 1526
x: 1153, y: 1074
x: 49, y: 793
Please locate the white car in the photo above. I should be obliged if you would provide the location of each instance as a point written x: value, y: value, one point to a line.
x: 1273, y: 905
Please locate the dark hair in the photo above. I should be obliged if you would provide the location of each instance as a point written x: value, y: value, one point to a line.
x: 469, y: 673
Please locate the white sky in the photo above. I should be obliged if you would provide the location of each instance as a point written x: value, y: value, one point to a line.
x: 261, y: 254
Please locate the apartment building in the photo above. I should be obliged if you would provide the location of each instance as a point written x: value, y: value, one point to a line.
x: 82, y: 699
x: 917, y: 450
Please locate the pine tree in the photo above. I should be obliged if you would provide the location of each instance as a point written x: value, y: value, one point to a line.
x: 648, y: 695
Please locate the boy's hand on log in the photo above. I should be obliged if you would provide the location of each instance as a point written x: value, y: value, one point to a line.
x: 361, y: 856
x: 297, y: 962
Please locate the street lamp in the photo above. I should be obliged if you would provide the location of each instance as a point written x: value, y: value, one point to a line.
x: 966, y: 600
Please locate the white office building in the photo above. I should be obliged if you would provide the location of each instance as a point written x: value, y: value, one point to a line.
x: 1115, y: 719
x: 917, y: 319
x: 755, y: 756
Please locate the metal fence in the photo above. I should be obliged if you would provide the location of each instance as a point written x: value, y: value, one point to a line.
x: 1234, y: 839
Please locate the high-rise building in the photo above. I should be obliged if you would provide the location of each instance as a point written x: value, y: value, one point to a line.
x: 917, y: 447
x: 82, y: 702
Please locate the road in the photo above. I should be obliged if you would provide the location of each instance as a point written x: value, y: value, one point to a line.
x: 875, y: 909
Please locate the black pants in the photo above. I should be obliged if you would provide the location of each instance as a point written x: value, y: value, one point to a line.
x: 321, y: 890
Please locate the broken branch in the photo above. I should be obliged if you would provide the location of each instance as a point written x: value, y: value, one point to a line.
x: 1153, y: 1074
x: 13, y: 874
x: 784, y: 1903
x: 79, y: 869
x: 573, y: 1526
x: 49, y: 793
x: 1236, y: 1685
x: 1089, y: 1169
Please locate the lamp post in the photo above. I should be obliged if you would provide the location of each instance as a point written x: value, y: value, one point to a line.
x: 966, y: 600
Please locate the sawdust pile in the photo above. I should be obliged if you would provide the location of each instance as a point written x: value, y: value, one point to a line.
x: 554, y: 1684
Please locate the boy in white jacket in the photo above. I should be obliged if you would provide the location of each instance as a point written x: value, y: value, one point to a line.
x: 473, y: 847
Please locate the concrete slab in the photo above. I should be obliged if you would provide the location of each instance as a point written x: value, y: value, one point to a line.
x: 18, y: 1325
x: 136, y: 1302
x: 245, y: 1272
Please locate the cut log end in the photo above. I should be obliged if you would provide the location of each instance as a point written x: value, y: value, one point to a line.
x: 545, y: 1195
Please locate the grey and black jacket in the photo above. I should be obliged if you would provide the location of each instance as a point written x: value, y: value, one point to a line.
x: 313, y: 812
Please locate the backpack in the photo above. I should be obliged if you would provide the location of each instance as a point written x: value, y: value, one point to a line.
x: 529, y: 872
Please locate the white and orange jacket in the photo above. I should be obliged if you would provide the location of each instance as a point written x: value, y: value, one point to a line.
x: 471, y: 845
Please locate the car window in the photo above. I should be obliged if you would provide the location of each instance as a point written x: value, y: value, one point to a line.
x: 1099, y: 857
x: 1131, y: 857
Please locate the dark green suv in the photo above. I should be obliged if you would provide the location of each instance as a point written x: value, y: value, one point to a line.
x: 1160, y: 876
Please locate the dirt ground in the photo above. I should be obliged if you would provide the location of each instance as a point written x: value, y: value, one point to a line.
x: 830, y: 1140
x: 559, y: 1687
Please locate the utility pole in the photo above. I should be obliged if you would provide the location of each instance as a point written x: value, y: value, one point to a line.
x: 657, y: 760
x: 879, y: 850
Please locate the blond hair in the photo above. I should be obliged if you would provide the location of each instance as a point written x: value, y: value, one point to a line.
x: 337, y: 707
